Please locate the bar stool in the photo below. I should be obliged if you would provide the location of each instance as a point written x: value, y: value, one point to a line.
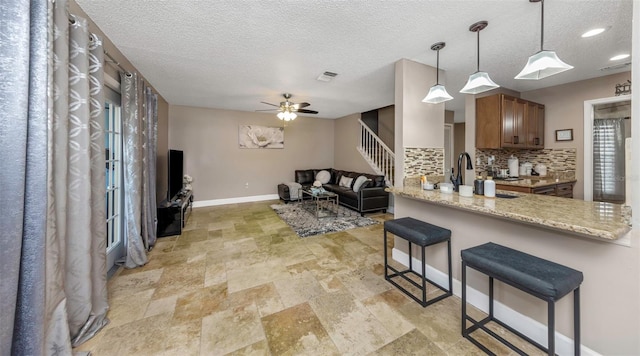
x: 422, y: 234
x: 544, y: 279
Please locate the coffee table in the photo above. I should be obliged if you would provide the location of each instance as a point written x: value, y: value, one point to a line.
x: 322, y: 205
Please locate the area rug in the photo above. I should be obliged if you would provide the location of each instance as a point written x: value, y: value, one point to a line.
x: 305, y: 224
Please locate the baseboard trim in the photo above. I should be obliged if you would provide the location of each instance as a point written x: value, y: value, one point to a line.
x: 249, y: 199
x: 529, y: 327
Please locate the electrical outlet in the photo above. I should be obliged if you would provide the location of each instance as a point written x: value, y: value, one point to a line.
x: 246, y: 185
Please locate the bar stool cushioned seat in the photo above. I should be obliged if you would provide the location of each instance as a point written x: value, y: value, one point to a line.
x: 540, y: 276
x: 544, y: 279
x: 422, y: 234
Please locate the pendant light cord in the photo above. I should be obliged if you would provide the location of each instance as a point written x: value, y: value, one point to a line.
x: 478, y: 59
x: 542, y: 26
x: 437, y: 67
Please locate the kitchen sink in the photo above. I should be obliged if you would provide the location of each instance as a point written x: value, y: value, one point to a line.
x: 506, y: 196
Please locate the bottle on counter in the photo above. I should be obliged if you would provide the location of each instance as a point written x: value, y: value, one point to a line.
x: 489, y: 188
x: 478, y: 185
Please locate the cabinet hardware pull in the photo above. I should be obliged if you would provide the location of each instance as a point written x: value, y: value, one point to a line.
x: 537, y: 141
x: 515, y: 140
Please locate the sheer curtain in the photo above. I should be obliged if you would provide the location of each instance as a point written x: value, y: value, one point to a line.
x: 53, y: 288
x: 609, y: 160
x: 136, y: 246
x: 139, y: 131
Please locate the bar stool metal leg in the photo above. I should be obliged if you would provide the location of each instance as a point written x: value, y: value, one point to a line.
x: 464, y: 299
x: 424, y: 279
x: 576, y: 321
x: 551, y: 328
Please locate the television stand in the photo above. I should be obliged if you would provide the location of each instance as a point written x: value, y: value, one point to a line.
x: 173, y: 215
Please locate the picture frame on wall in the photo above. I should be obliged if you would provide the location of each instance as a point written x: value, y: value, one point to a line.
x: 564, y: 135
x: 256, y: 136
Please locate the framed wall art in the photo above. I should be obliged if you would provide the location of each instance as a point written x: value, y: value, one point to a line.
x: 564, y: 135
x: 255, y: 136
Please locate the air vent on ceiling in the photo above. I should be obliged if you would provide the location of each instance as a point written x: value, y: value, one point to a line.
x: 616, y: 67
x: 327, y: 76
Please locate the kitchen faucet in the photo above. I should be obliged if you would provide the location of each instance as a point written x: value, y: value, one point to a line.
x: 457, y: 180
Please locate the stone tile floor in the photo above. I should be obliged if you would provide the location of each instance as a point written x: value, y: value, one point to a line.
x: 239, y: 281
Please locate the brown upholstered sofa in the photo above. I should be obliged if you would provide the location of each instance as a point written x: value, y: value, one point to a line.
x: 370, y: 196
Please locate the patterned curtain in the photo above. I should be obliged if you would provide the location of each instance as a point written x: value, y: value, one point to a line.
x: 132, y: 157
x: 23, y: 173
x: 53, y: 291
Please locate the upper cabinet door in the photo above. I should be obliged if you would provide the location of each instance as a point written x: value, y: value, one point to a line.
x: 535, y: 125
x: 513, y: 122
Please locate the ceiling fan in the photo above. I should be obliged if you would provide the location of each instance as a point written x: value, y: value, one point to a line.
x: 287, y: 109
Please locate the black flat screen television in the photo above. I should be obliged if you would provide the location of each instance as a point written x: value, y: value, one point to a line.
x: 175, y: 173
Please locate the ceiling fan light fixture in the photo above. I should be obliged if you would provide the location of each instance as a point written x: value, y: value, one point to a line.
x: 437, y: 93
x: 287, y: 115
x: 544, y: 63
x: 478, y: 82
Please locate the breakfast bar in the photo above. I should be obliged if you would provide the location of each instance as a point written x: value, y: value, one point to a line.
x: 591, y: 237
x: 589, y: 219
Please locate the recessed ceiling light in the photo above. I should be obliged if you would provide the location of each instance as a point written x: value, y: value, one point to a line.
x: 594, y: 32
x: 619, y: 57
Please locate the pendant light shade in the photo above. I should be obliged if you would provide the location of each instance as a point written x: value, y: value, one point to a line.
x: 437, y: 93
x: 544, y: 63
x: 478, y: 82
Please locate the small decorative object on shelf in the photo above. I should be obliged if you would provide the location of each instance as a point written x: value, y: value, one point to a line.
x: 186, y: 182
x: 564, y: 135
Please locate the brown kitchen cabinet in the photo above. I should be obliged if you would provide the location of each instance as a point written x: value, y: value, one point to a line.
x: 564, y: 190
x: 504, y: 121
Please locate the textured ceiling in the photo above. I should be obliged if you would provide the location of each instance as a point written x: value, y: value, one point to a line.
x: 233, y: 54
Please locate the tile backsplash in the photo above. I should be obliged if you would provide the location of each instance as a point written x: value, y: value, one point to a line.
x: 423, y: 161
x: 556, y: 160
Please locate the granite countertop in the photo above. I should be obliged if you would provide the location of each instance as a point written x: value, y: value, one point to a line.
x: 534, y: 182
x: 592, y: 219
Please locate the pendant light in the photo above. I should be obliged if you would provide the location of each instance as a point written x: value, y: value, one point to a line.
x: 544, y: 63
x: 478, y: 82
x: 437, y: 93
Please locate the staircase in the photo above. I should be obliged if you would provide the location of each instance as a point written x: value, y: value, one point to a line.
x: 380, y: 157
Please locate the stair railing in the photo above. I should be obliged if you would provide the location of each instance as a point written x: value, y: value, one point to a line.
x: 379, y: 156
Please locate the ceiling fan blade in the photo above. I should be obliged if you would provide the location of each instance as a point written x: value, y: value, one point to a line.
x: 305, y: 111
x: 301, y: 105
x: 264, y: 102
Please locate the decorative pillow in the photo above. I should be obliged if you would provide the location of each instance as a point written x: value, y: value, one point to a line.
x: 345, y: 182
x: 323, y: 176
x: 360, y: 182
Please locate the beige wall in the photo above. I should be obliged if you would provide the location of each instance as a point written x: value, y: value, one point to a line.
x: 564, y: 109
x: 220, y: 169
x: 346, y: 134
x: 426, y: 125
x: 386, y: 125
x: 163, y: 106
x: 458, y: 140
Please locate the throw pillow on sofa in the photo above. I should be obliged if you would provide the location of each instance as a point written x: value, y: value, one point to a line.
x: 345, y: 182
x: 323, y: 176
x: 360, y: 182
